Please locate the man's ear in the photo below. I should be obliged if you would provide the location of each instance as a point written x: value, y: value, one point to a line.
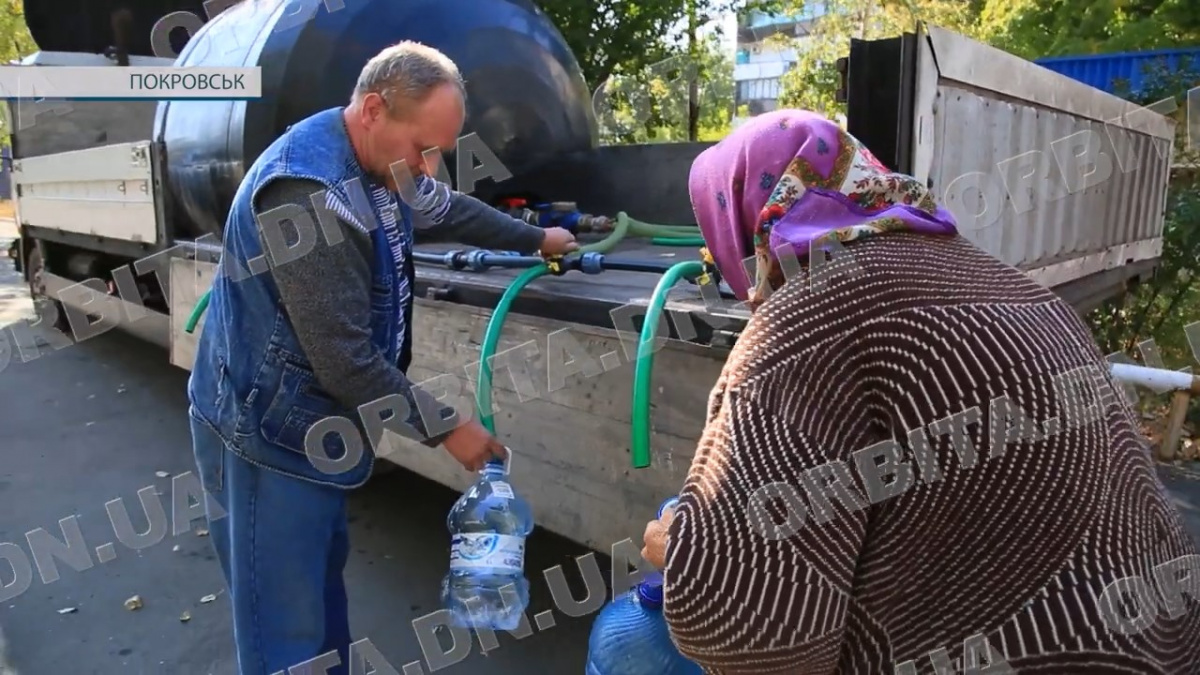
x: 373, y: 108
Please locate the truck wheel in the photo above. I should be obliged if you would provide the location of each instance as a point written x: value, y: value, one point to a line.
x: 47, y: 308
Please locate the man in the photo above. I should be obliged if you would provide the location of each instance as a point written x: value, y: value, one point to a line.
x: 322, y: 335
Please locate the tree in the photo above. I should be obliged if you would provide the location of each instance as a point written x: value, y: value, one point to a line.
x: 1159, y: 309
x: 1037, y: 28
x: 615, y: 36
x: 632, y: 41
x: 653, y: 105
x: 813, y: 80
x: 15, y: 43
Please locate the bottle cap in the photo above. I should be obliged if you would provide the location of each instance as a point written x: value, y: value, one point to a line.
x: 650, y: 592
x: 671, y: 503
x: 503, y: 466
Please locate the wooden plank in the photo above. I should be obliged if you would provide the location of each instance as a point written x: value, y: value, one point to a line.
x: 571, y: 444
x: 189, y: 279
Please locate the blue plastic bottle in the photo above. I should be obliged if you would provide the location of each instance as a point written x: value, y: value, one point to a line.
x: 488, y: 526
x: 630, y: 636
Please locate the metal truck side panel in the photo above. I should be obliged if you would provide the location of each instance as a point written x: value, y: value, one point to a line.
x: 986, y: 120
x: 103, y: 192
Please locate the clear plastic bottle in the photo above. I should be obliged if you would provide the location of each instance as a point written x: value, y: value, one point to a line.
x: 630, y: 636
x: 488, y: 527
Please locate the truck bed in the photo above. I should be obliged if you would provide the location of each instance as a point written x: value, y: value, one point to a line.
x: 931, y: 104
x: 575, y: 297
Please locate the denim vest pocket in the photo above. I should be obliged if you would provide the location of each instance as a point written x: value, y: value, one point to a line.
x: 297, y: 403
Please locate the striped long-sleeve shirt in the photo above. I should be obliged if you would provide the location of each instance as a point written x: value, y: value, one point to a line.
x: 931, y: 527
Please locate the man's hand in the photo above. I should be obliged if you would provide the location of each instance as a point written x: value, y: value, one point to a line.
x: 473, y: 446
x: 655, y: 538
x: 558, y: 241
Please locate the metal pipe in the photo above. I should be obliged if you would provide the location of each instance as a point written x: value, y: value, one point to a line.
x: 619, y: 265
x: 1158, y: 380
x: 480, y: 261
x: 477, y: 261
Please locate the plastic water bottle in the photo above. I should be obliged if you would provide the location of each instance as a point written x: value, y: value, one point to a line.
x: 488, y: 526
x: 630, y: 636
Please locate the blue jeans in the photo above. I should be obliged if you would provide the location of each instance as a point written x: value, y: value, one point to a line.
x: 283, y: 545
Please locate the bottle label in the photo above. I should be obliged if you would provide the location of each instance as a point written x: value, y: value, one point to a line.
x: 502, y: 489
x: 492, y: 551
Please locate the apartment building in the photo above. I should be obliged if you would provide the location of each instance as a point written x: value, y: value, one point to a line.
x: 760, y: 62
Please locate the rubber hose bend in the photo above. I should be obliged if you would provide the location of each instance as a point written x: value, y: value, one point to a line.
x: 640, y: 229
x: 193, y: 319
x: 639, y: 447
x: 491, y: 341
x: 610, y: 242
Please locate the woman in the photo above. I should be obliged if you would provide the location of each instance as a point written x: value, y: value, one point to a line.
x: 907, y: 525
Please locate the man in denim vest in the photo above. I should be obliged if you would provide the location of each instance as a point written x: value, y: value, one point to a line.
x: 311, y: 318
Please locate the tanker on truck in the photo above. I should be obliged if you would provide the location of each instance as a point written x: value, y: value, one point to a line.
x: 1061, y: 180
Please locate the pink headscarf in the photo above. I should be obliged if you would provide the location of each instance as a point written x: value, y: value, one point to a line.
x: 787, y: 177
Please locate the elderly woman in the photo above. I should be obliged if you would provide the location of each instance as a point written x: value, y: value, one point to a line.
x: 915, y: 463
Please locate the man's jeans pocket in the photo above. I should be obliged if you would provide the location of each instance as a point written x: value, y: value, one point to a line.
x: 209, y: 450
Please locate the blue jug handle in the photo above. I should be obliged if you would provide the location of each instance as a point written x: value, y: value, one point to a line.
x: 670, y: 503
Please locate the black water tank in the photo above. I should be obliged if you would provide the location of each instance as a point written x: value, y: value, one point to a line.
x: 527, y: 99
x: 87, y: 25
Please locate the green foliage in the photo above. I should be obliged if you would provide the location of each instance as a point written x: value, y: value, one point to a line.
x: 652, y: 105
x: 641, y: 58
x: 1159, y: 309
x: 1038, y: 28
x: 15, y: 43
x: 813, y: 81
x: 611, y: 36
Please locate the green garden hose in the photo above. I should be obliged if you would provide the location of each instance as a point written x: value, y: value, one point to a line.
x: 198, y: 311
x: 677, y: 241
x: 644, y: 365
x: 609, y: 242
x: 638, y: 228
x: 491, y: 341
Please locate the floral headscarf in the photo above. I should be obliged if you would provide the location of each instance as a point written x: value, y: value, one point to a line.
x: 787, y: 177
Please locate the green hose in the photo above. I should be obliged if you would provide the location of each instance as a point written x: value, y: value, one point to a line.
x: 198, y: 311
x: 610, y: 242
x: 678, y: 241
x: 639, y: 229
x: 491, y: 340
x: 644, y: 365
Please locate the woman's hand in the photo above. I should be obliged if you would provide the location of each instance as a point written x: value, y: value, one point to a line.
x: 655, y: 549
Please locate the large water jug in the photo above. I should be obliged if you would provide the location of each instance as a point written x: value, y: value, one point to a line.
x: 488, y: 527
x: 630, y: 636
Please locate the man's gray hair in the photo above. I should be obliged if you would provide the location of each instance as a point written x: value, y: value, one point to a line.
x: 406, y: 73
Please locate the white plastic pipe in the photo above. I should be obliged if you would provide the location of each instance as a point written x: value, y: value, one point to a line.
x: 1156, y: 379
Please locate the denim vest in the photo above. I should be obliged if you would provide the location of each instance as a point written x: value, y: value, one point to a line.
x: 251, y: 381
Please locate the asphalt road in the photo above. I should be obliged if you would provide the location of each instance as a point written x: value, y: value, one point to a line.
x: 103, y: 419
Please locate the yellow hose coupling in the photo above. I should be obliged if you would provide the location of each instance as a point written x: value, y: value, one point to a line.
x: 704, y: 279
x: 554, y: 264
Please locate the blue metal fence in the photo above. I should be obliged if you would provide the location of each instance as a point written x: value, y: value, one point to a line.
x: 1102, y: 71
